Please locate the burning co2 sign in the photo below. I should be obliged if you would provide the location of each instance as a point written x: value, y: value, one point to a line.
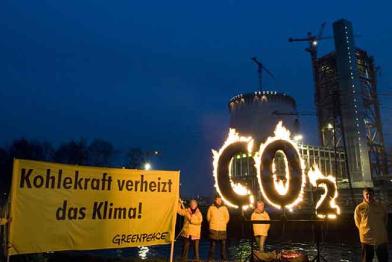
x: 280, y: 191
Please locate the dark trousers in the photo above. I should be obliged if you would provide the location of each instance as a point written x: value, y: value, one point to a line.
x: 260, y: 241
x: 185, y: 249
x: 367, y: 253
x: 211, y: 252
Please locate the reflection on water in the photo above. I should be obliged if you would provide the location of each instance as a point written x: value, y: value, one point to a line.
x: 143, y: 252
x: 240, y: 251
x: 330, y: 251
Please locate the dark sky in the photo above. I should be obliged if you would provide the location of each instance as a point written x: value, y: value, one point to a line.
x: 158, y: 74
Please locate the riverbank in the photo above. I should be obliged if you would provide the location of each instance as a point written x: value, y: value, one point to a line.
x: 238, y: 251
x: 339, y: 242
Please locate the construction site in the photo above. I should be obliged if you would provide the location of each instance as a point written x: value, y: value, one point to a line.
x: 351, y: 142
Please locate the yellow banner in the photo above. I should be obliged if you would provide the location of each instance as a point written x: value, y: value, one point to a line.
x: 64, y: 207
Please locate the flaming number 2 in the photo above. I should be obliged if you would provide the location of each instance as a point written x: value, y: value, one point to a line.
x: 326, y: 206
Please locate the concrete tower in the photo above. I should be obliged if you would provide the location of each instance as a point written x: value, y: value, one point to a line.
x: 348, y: 107
x: 257, y: 114
x: 351, y: 105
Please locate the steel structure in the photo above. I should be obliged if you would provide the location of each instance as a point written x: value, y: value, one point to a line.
x: 348, y: 108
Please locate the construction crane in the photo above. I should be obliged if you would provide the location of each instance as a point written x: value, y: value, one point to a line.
x: 260, y: 68
x: 313, y: 41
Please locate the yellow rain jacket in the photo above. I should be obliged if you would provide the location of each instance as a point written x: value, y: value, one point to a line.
x: 218, y: 217
x: 371, y: 221
x: 192, y: 223
x: 3, y: 221
x: 260, y: 229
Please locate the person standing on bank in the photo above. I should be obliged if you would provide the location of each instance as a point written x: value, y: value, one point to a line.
x: 217, y: 217
x: 371, y: 220
x: 260, y: 231
x: 3, y: 221
x: 191, y: 228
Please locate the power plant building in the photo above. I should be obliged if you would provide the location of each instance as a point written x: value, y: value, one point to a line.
x: 348, y: 108
x: 257, y: 114
x: 351, y: 138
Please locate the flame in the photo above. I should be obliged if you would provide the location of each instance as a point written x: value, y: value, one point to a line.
x: 280, y: 133
x: 281, y: 185
x: 240, y: 189
x: 315, y: 174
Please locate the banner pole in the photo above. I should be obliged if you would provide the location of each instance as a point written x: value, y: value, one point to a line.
x: 171, y: 251
x: 174, y: 221
x: 7, y: 227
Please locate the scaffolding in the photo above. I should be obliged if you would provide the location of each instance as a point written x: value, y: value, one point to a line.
x: 348, y: 108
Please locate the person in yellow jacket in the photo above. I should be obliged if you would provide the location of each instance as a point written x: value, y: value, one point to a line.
x: 191, y: 228
x: 217, y: 217
x: 3, y: 221
x: 371, y: 219
x: 260, y: 231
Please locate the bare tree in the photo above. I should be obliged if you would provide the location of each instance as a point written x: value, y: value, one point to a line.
x: 100, y: 152
x: 135, y: 158
x: 73, y: 152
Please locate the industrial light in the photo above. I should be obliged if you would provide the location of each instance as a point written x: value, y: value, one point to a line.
x: 147, y: 166
x: 314, y: 42
x: 298, y: 138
